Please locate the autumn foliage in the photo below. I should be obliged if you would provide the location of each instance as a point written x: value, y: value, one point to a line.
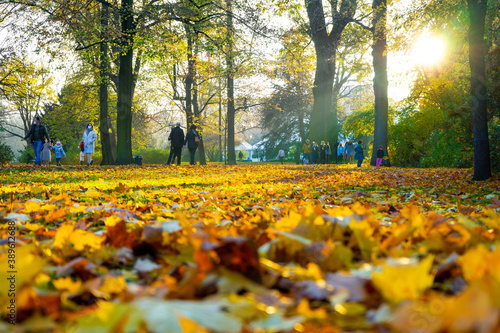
x: 251, y: 248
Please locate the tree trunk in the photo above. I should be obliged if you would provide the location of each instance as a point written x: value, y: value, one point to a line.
x: 302, y: 130
x: 188, y: 83
x: 380, y: 81
x: 104, y: 120
x: 231, y: 154
x: 197, y: 115
x: 220, y: 124
x: 334, y: 134
x: 324, y: 118
x: 125, y: 87
x: 482, y: 164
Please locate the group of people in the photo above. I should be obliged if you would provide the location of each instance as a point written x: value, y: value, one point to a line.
x: 178, y: 141
x: 316, y: 154
x: 321, y: 154
x: 42, y: 145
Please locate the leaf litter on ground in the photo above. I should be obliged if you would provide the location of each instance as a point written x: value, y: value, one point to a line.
x: 250, y: 248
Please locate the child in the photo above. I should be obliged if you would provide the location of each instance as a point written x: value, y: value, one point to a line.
x: 45, y: 153
x: 59, y: 152
x: 281, y: 155
x: 380, y: 156
x: 340, y: 153
x: 82, y: 154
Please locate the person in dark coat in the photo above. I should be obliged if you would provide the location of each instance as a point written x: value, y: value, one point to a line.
x: 37, y: 135
x: 177, y: 141
x: 191, y: 136
x: 322, y: 152
x: 359, y: 150
x: 171, y: 154
x: 334, y: 151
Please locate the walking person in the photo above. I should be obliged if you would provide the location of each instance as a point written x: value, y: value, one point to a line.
x: 349, y: 151
x: 340, y: 153
x: 322, y: 152
x: 359, y: 153
x: 171, y: 154
x: 380, y: 156
x: 281, y: 155
x: 177, y: 141
x: 335, y: 146
x: 89, y: 137
x: 328, y: 152
x: 192, y: 140
x: 37, y: 134
x: 59, y: 152
x: 45, y: 153
x: 314, y: 152
x: 306, y: 148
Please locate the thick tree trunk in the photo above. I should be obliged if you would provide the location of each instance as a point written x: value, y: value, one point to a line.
x: 125, y: 87
x: 380, y: 81
x: 231, y: 110
x: 334, y: 134
x: 104, y: 120
x: 482, y: 164
x: 324, y: 118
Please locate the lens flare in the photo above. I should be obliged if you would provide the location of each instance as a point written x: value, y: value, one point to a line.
x: 428, y: 51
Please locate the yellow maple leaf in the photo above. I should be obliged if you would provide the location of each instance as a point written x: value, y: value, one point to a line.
x: 81, y: 238
x: 402, y: 280
x: 55, y: 214
x: 113, y: 285
x: 66, y: 234
x: 31, y: 207
x: 66, y: 283
x: 33, y: 226
x: 473, y: 263
x: 62, y: 235
x: 112, y: 220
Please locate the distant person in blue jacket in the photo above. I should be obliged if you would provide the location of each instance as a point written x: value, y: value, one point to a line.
x: 359, y: 150
x: 59, y: 152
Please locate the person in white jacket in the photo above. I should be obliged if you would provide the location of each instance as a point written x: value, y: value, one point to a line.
x: 89, y: 137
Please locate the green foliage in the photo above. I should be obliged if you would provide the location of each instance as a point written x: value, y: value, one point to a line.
x: 494, y: 129
x: 24, y: 153
x: 6, y: 153
x: 155, y: 156
x: 359, y: 124
x: 77, y: 106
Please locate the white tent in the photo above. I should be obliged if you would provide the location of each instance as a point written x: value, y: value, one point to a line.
x: 249, y: 149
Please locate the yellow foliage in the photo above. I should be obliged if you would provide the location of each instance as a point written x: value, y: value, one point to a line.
x: 66, y: 283
x: 400, y: 281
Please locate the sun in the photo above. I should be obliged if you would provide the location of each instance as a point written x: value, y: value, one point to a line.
x: 428, y: 51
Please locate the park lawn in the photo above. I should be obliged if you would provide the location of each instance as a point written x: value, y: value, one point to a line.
x: 249, y: 248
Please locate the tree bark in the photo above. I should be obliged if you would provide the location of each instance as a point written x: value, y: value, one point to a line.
x: 188, y: 83
x: 380, y: 81
x: 125, y: 86
x: 220, y: 125
x: 231, y: 154
x: 479, y: 92
x: 324, y: 118
x: 104, y: 120
x: 197, y: 121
